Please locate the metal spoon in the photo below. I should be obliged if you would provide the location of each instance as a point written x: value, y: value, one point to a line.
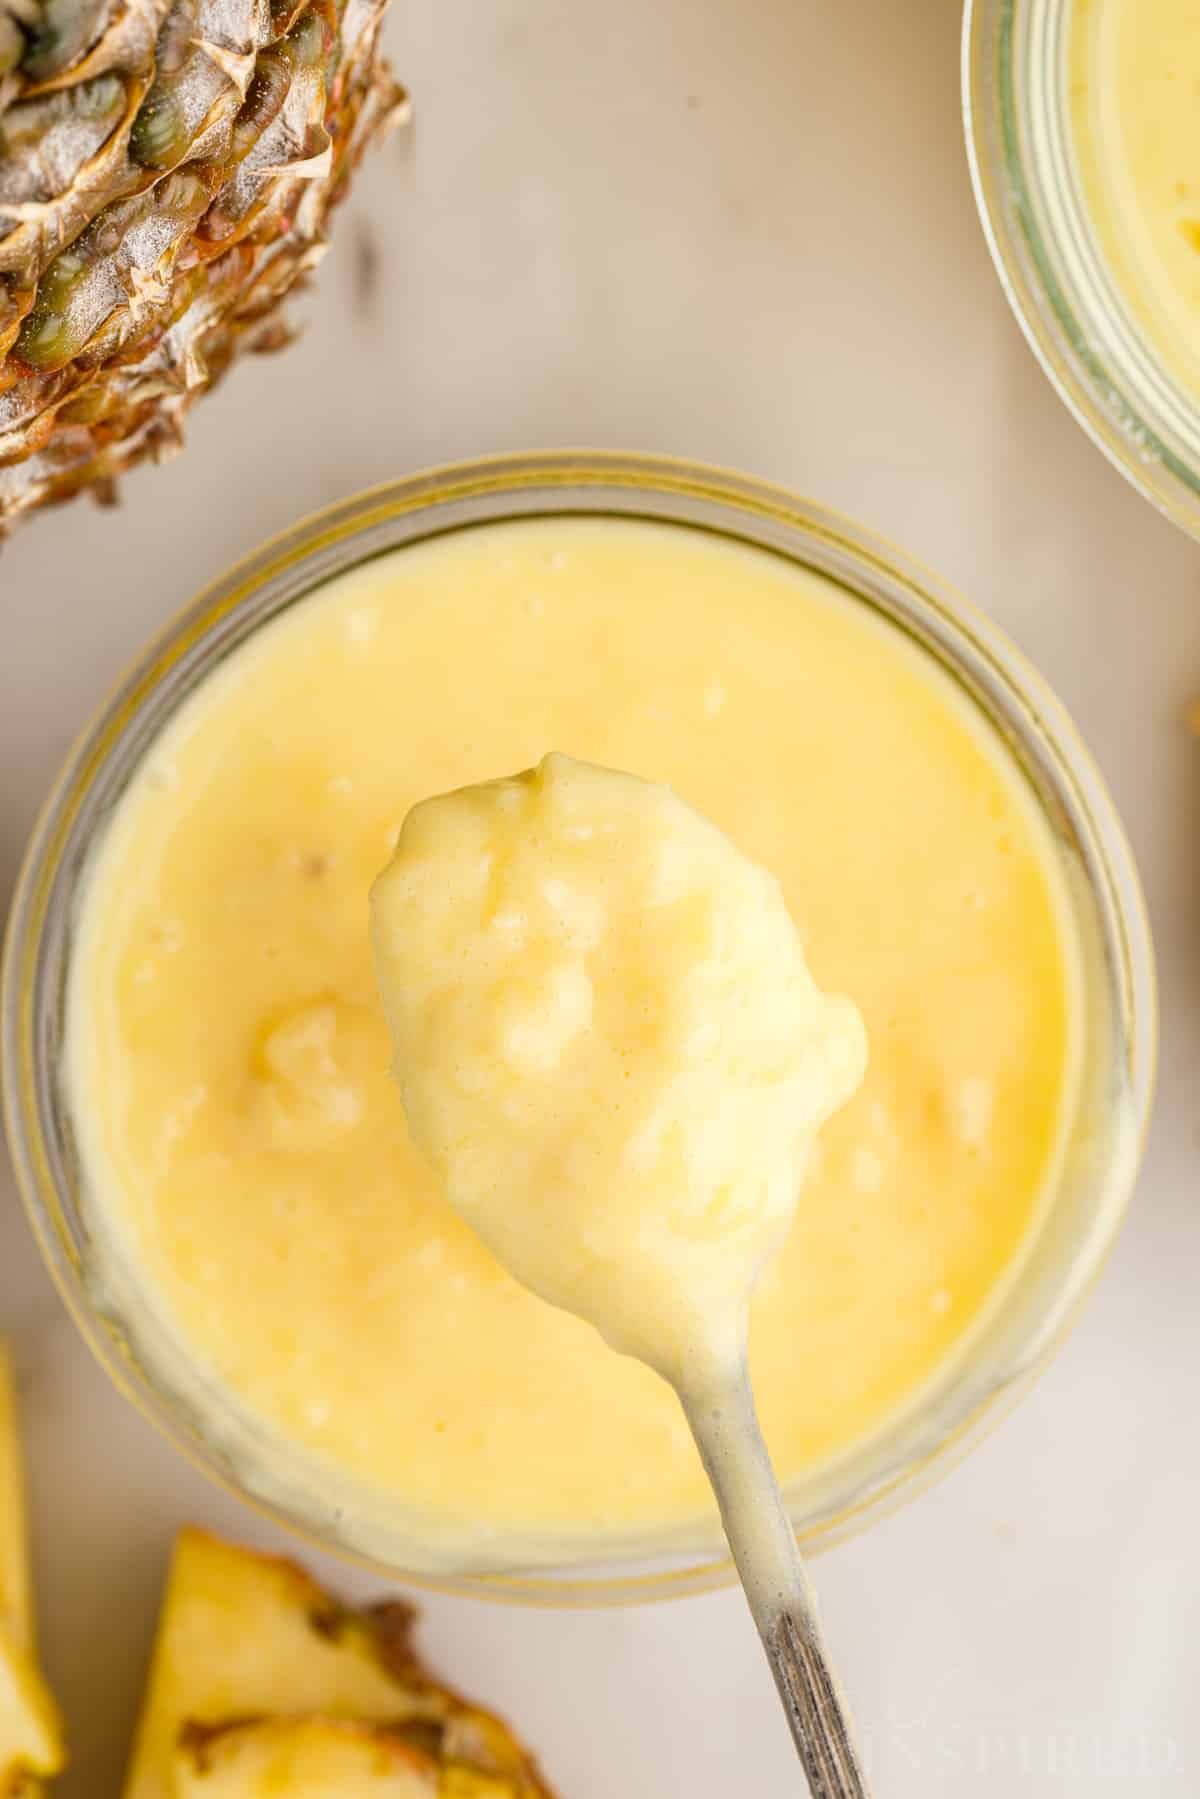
x: 720, y: 1411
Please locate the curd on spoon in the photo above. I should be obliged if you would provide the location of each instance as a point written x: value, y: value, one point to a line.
x: 610, y: 1047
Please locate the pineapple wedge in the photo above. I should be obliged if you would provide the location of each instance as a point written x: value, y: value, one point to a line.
x: 16, y: 1594
x: 319, y: 1758
x: 30, y: 1738
x: 30, y: 1733
x: 245, y: 1636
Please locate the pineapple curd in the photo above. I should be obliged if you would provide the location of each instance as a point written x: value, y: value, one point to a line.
x: 246, y: 1150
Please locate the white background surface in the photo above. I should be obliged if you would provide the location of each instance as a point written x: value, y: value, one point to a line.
x: 740, y: 231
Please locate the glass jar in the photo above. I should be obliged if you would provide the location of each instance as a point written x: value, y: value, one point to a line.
x: 1105, y: 1134
x: 1078, y: 314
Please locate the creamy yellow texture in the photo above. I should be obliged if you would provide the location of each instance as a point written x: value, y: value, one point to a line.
x: 228, y: 1055
x: 1136, y: 94
x: 610, y: 1046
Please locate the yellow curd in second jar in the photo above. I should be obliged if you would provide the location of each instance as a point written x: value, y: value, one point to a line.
x: 1135, y: 73
x: 228, y: 1059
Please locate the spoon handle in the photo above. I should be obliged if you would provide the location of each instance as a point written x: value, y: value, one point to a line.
x: 725, y: 1425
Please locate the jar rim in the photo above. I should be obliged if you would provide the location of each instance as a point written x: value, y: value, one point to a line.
x: 1038, y: 732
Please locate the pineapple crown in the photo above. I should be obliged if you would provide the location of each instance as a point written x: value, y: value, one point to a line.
x: 166, y: 169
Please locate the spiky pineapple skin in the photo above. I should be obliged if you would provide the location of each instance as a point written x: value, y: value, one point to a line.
x: 167, y: 168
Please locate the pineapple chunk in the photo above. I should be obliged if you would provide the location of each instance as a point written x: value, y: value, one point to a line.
x: 247, y: 1636
x: 319, y: 1758
x: 30, y: 1733
x: 16, y: 1596
x: 30, y: 1738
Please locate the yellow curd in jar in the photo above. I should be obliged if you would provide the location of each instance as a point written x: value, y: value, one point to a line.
x: 246, y: 1150
x: 1135, y: 75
